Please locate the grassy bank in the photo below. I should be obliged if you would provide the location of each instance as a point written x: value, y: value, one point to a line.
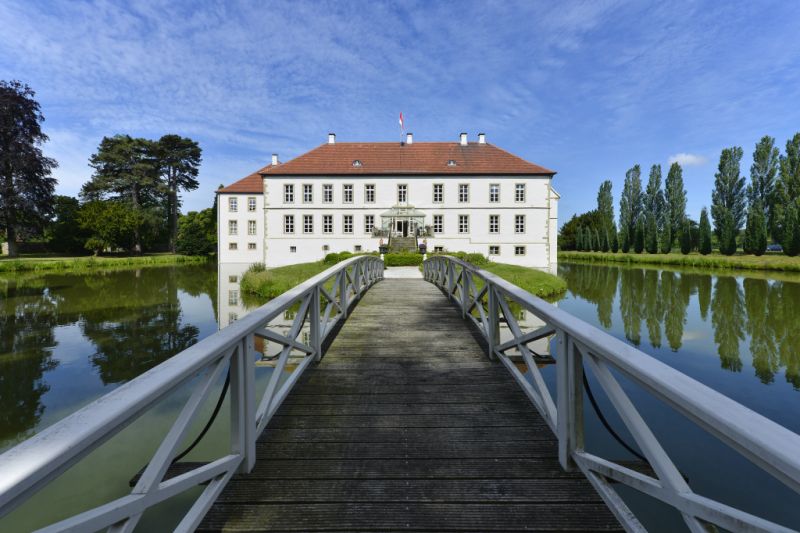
x: 38, y: 262
x: 714, y: 261
x: 534, y: 281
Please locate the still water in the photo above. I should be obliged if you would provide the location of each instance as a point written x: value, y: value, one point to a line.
x: 67, y: 339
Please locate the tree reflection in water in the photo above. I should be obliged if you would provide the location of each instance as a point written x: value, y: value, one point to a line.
x: 763, y: 312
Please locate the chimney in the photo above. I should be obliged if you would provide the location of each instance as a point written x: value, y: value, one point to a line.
x: 481, y: 138
x: 463, y: 139
x: 331, y: 138
x: 274, y: 159
x: 409, y: 138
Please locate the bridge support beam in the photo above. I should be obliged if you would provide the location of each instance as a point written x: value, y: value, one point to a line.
x: 569, y: 400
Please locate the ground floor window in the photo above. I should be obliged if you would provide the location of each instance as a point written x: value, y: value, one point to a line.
x: 347, y: 223
x: 251, y: 246
x: 463, y: 223
x: 288, y: 223
x: 233, y: 246
x: 438, y: 223
x: 357, y: 248
x: 327, y: 223
x: 519, y: 250
x: 308, y: 224
x: 325, y: 247
x: 369, y: 223
x: 438, y: 248
x: 292, y: 249
x: 494, y: 250
x: 233, y: 279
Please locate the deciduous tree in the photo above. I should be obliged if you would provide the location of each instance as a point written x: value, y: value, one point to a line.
x: 766, y: 161
x: 675, y: 197
x: 728, y: 199
x: 630, y: 207
x: 705, y: 233
x: 178, y: 160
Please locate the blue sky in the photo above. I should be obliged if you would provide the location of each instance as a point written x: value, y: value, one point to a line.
x: 585, y: 88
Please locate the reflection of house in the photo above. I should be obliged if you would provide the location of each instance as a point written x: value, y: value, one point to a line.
x: 229, y: 298
x: 460, y: 196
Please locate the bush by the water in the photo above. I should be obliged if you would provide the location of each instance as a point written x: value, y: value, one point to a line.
x: 402, y: 259
x: 473, y: 258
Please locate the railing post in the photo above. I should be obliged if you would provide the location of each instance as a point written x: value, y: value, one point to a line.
x: 569, y: 400
x: 465, y: 278
x: 357, y: 278
x: 243, y: 407
x: 493, y: 320
x: 315, y: 326
x: 343, y: 291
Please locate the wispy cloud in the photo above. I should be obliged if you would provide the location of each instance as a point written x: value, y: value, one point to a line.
x: 688, y: 160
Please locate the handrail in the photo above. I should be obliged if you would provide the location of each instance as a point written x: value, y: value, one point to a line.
x: 34, y: 463
x: 770, y: 446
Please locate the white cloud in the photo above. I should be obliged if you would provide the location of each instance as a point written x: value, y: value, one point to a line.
x: 688, y: 160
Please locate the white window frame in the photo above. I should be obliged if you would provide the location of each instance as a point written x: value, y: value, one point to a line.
x: 369, y: 193
x: 233, y: 296
x: 233, y: 204
x: 251, y: 246
x: 252, y: 227
x: 438, y: 249
x: 251, y: 204
x: 288, y: 224
x: 496, y: 223
x: 369, y: 223
x: 494, y: 249
x: 308, y: 193
x: 233, y: 246
x: 463, y: 193
x: 308, y: 224
x: 288, y: 193
x: 438, y: 223
x: 463, y: 224
x: 520, y: 193
x: 404, y: 188
x: 347, y: 191
x: 494, y: 198
x: 233, y: 227
x: 327, y: 193
x: 327, y: 224
x: 438, y: 193
x: 347, y: 224
x: 293, y: 249
x: 519, y: 224
x: 517, y: 249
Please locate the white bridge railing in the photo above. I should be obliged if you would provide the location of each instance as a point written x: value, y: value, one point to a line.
x: 487, y: 300
x: 320, y: 303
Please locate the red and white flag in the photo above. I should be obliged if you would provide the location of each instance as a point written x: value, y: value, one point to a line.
x: 401, y: 121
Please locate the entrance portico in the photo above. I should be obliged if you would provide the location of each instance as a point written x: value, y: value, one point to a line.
x: 403, y: 221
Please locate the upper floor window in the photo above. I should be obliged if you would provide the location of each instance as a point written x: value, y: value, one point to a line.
x: 347, y: 224
x: 494, y: 223
x: 233, y: 227
x: 327, y: 193
x: 347, y: 193
x: 519, y: 192
x: 519, y: 223
x: 402, y: 193
x: 369, y: 193
x: 369, y: 223
x: 251, y: 227
x: 288, y: 223
x: 463, y: 223
x: 251, y: 203
x: 288, y: 193
x: 463, y: 193
x: 233, y: 204
x: 308, y: 193
x: 494, y: 192
x: 308, y: 224
x: 327, y: 223
x: 438, y: 193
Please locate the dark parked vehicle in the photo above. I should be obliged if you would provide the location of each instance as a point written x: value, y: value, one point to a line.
x: 774, y: 248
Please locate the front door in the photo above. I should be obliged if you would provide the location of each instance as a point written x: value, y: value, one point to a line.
x: 402, y: 227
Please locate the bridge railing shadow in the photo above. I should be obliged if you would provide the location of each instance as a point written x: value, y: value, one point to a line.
x: 492, y: 305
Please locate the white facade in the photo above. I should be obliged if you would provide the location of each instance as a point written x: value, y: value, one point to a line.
x: 240, y: 227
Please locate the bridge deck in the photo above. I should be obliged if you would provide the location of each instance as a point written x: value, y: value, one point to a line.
x: 406, y: 425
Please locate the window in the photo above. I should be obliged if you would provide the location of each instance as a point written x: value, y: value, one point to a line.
x: 494, y: 250
x: 232, y: 317
x: 327, y: 193
x: 438, y: 249
x: 326, y: 248
x: 233, y: 297
x: 463, y: 193
x: 369, y: 193
x: 251, y: 246
x: 233, y: 204
x: 357, y: 248
x: 288, y: 223
x: 327, y: 223
x: 519, y: 250
x: 356, y: 162
x: 308, y: 224
x: 463, y: 223
x: 233, y: 279
x: 233, y: 227
x: 308, y: 193
x: 438, y: 223
x: 369, y: 223
x: 347, y: 194
x: 292, y: 249
x: 233, y: 246
x: 347, y: 223
x: 494, y: 223
x: 402, y: 193
x: 288, y: 193
x: 251, y: 227
x: 438, y: 193
x: 451, y: 162
x: 519, y: 192
x: 494, y: 192
x: 251, y: 203
x: 519, y: 223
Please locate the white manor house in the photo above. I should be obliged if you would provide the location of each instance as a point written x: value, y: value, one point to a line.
x: 466, y: 196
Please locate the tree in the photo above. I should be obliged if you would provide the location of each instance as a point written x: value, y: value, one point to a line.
x: 638, y: 236
x: 630, y: 207
x: 791, y: 231
x: 675, y: 199
x: 686, y: 237
x: 197, y: 233
x: 26, y: 186
x: 766, y: 160
x: 705, y: 233
x: 651, y: 234
x: 64, y: 233
x: 755, y: 232
x: 597, y: 241
x: 787, y: 190
x: 567, y: 236
x: 728, y: 200
x: 178, y: 162
x: 605, y: 207
x: 126, y: 169
x: 110, y: 225
x: 614, y: 240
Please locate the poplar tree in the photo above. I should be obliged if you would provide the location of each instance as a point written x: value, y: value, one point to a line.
x: 605, y: 206
x: 630, y: 207
x: 763, y: 171
x: 686, y: 236
x: 705, y: 233
x: 788, y: 194
x: 755, y: 232
x: 26, y: 185
x: 653, y: 209
x: 638, y: 236
x: 728, y: 199
x: 675, y: 198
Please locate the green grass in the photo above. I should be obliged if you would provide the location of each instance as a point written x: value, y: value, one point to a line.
x: 534, y: 281
x: 275, y: 281
x: 716, y: 261
x: 45, y: 262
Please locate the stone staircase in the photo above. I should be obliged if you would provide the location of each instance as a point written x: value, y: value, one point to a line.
x: 403, y: 244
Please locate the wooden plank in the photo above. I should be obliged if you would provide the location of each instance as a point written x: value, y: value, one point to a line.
x: 404, y: 421
x: 338, y: 434
x: 385, y: 408
x: 426, y: 449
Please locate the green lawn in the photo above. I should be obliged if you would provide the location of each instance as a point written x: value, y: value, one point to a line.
x: 534, y: 281
x: 51, y: 262
x: 715, y: 260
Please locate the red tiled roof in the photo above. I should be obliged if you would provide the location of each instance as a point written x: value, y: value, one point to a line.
x: 254, y: 183
x: 396, y: 158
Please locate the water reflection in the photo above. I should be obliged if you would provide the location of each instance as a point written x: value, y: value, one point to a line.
x: 744, y: 317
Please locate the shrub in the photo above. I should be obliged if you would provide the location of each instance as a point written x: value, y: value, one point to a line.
x: 402, y: 259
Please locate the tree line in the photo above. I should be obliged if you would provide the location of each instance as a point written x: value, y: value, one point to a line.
x: 131, y: 201
x: 746, y: 215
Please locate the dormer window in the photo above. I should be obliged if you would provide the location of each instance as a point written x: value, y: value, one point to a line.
x: 451, y: 162
x: 356, y: 162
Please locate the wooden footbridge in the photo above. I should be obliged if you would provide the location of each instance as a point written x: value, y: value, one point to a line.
x: 429, y: 411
